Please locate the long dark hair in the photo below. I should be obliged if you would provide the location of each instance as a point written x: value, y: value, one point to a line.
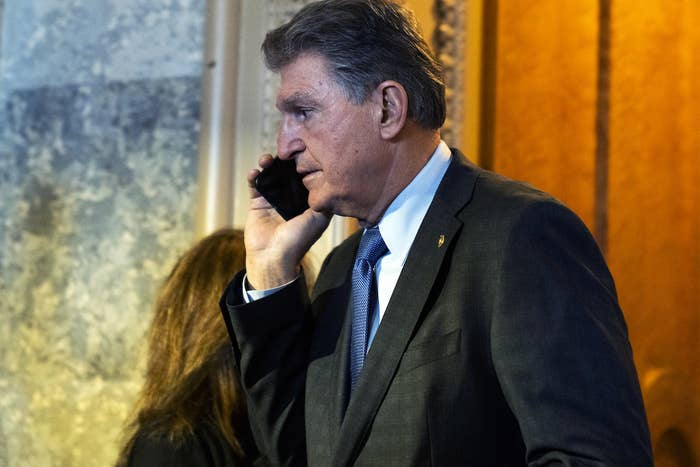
x: 191, y: 376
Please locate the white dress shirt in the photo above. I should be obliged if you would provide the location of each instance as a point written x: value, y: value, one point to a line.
x: 399, y: 227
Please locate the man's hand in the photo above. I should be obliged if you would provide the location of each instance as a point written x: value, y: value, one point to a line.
x: 274, y: 248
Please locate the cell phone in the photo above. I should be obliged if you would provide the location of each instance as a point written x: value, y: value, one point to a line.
x: 283, y: 188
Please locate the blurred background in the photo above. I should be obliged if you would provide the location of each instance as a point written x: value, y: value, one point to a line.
x: 127, y: 128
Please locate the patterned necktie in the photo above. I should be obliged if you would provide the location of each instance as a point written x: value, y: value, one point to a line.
x: 372, y: 247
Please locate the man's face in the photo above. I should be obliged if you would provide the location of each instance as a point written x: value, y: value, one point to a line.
x: 336, y: 144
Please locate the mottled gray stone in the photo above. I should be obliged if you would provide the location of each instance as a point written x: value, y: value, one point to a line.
x: 58, y: 42
x: 99, y: 122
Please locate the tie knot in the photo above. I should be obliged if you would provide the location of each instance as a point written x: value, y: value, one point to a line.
x: 372, y: 246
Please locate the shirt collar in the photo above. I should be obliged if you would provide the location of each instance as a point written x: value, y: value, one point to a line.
x: 403, y: 217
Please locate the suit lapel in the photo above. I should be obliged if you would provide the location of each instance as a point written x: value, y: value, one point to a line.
x: 327, y: 371
x: 425, y: 258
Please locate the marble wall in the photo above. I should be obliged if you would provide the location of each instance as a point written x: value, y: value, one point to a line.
x: 99, y: 120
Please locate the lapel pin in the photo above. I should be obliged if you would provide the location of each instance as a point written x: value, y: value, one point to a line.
x: 441, y: 241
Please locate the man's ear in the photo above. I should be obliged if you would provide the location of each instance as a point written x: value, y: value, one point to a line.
x: 394, y: 104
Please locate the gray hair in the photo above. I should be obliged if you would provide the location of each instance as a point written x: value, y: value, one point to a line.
x: 365, y: 43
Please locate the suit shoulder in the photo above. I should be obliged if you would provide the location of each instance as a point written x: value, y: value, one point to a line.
x: 498, y: 197
x: 501, y: 189
x: 505, y: 212
x: 159, y: 450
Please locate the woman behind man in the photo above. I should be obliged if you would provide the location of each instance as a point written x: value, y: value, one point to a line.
x: 191, y: 411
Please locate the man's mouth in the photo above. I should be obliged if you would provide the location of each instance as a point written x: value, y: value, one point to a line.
x: 308, y: 174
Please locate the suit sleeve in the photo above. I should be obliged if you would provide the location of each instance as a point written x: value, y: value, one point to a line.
x: 560, y: 347
x: 271, y: 339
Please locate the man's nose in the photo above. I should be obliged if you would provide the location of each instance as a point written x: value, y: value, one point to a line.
x: 289, y: 141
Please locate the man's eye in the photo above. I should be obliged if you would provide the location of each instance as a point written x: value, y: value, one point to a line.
x: 302, y: 113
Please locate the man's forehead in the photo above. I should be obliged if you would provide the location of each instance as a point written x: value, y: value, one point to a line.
x: 304, y: 79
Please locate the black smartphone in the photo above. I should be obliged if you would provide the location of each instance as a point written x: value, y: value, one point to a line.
x: 282, y: 187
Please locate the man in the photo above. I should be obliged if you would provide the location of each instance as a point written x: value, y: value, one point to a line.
x: 472, y: 321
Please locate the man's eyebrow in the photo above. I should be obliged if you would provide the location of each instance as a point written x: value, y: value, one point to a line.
x: 295, y: 100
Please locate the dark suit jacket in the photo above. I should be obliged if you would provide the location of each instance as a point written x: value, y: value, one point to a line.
x: 503, y: 345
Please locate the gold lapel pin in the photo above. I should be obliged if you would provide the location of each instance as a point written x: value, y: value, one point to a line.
x: 441, y: 241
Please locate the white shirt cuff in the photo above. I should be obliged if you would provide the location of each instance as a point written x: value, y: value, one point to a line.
x: 253, y: 295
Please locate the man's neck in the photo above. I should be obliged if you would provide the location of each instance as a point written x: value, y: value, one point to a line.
x: 410, y: 155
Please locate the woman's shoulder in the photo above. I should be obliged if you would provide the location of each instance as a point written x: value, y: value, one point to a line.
x: 206, y: 447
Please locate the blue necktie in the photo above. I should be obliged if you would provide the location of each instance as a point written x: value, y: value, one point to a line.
x: 372, y: 247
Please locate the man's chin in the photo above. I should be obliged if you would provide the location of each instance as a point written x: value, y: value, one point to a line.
x: 331, y: 207
x: 323, y: 206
